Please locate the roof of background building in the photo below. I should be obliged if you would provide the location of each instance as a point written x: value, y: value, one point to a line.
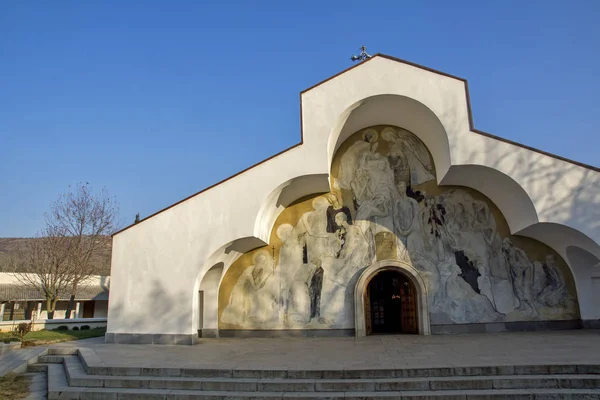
x: 11, y: 292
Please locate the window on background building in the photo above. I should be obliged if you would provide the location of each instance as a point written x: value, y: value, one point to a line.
x: 18, y: 310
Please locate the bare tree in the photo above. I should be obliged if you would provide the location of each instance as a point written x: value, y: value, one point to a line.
x: 60, y: 258
x: 86, y: 219
x: 44, y: 266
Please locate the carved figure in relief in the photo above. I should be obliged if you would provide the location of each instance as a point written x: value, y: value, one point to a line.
x: 418, y: 158
x: 335, y: 208
x: 406, y: 210
x: 472, y: 274
x: 367, y: 207
x: 502, y: 292
x: 437, y: 242
x: 480, y: 239
x: 408, y: 158
x: 355, y: 253
x: 251, y: 298
x: 290, y: 261
x: 352, y: 158
x: 265, y: 297
x: 461, y: 302
x: 398, y: 160
x: 522, y: 275
x: 313, y: 226
x: 554, y: 292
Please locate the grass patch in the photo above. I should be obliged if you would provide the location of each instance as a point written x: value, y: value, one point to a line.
x: 46, y: 337
x: 64, y: 336
x: 13, y: 387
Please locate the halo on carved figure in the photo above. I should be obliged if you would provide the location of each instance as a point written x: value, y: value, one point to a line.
x: 320, y: 203
x: 370, y: 135
x: 389, y: 134
x: 284, y: 231
x: 258, y: 255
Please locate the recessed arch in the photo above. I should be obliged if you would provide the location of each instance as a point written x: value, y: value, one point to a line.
x: 213, y: 270
x: 415, y: 278
x: 582, y: 258
x: 208, y: 309
x: 510, y: 198
x: 560, y: 237
x: 284, y: 195
x: 395, y: 110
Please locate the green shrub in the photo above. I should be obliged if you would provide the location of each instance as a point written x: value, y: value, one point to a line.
x: 62, y: 328
x: 75, y: 328
x: 85, y: 327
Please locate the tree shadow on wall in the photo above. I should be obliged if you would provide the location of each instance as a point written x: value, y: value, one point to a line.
x: 570, y: 193
x: 158, y: 312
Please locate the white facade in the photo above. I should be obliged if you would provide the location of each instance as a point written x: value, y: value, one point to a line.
x: 160, y: 264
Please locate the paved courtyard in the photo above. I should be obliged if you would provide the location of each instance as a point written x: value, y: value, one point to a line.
x: 372, y: 352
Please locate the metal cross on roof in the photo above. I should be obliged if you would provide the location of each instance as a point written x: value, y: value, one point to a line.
x: 362, y: 56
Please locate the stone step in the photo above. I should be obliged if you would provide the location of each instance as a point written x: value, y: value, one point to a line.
x: 50, y: 359
x: 38, y: 387
x: 36, y: 367
x: 77, y: 377
x: 17, y: 361
x: 94, y: 366
x: 72, y: 369
x: 68, y: 393
x: 82, y: 376
x: 62, y: 351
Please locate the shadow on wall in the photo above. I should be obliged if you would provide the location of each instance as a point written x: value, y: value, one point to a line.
x: 170, y: 313
x: 540, y: 172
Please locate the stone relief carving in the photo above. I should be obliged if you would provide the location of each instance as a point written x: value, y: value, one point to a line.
x: 379, y: 209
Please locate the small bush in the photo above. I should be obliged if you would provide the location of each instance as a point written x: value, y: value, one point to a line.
x: 23, y: 328
x: 85, y: 327
x: 10, y: 339
x: 75, y: 328
x: 62, y: 328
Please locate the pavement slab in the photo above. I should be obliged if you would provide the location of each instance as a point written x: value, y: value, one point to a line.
x: 578, y: 347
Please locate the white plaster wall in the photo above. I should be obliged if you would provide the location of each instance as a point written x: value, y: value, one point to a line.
x: 158, y: 264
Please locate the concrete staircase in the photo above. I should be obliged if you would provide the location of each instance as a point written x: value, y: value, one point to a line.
x: 80, y: 374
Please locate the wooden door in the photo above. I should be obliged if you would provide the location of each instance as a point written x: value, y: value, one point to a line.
x: 409, y: 308
x: 88, y: 309
x: 368, y: 321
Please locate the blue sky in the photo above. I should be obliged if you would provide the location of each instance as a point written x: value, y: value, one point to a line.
x: 157, y: 100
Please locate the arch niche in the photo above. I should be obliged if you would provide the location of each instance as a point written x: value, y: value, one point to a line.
x: 360, y: 292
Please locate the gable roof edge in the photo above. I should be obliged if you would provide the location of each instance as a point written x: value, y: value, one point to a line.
x: 391, y: 58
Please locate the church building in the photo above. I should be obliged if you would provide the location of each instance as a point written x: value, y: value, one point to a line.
x: 392, y: 215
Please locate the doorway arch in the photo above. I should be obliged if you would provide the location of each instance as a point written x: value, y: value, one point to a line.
x: 412, y: 275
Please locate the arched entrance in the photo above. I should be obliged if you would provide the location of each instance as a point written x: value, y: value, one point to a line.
x: 390, y: 304
x: 390, y: 297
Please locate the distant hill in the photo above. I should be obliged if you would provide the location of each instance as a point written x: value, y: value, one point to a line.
x: 18, y: 247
